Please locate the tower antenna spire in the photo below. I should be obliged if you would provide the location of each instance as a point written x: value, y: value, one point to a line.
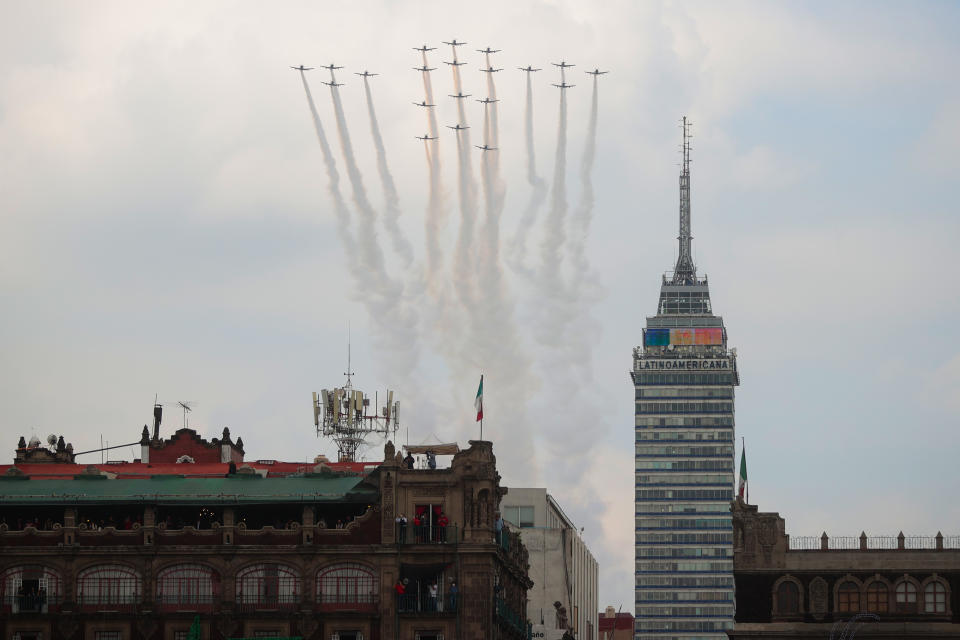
x: 349, y: 372
x: 685, y: 272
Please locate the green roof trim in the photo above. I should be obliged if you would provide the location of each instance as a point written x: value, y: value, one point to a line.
x: 176, y: 490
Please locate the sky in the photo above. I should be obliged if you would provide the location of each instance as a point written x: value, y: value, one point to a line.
x: 168, y: 230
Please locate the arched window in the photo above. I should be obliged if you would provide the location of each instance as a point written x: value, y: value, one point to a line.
x: 108, y: 586
x: 848, y: 597
x: 268, y: 586
x: 346, y: 585
x: 934, y: 598
x: 878, y: 597
x: 788, y: 598
x: 187, y: 586
x: 30, y: 588
x: 906, y: 593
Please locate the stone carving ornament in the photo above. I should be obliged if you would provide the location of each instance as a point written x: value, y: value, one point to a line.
x: 818, y: 598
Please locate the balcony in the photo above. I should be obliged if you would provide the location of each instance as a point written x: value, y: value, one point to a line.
x: 419, y: 604
x: 365, y: 603
x: 31, y: 603
x: 187, y: 603
x: 109, y: 603
x: 283, y: 602
x: 426, y: 534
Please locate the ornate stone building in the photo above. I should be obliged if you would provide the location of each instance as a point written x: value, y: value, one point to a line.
x: 880, y: 587
x: 135, y: 551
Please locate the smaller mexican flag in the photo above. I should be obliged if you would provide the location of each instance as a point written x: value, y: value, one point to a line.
x: 743, y: 489
x: 478, y: 403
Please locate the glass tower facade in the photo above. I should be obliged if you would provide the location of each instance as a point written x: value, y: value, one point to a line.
x: 684, y: 378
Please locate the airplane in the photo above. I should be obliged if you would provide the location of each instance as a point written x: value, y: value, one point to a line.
x: 455, y: 63
x: 564, y: 85
x: 527, y: 69
x: 365, y: 74
x: 424, y: 104
x: 490, y: 70
x: 488, y: 50
x: 455, y: 43
x: 597, y: 72
x: 459, y: 127
x: 488, y: 100
x: 330, y: 67
x: 563, y: 64
x: 485, y: 147
x: 424, y: 68
x: 332, y: 83
x: 424, y: 48
x: 302, y: 68
x: 425, y: 137
x: 459, y: 96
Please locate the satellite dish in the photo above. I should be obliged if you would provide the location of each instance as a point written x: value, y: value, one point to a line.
x: 52, y: 440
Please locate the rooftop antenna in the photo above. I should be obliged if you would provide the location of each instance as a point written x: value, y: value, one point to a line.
x: 349, y: 372
x: 685, y: 272
x: 186, y: 409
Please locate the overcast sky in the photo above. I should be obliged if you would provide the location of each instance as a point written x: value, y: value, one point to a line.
x: 167, y: 228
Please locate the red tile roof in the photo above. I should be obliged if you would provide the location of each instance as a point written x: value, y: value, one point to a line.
x: 195, y: 470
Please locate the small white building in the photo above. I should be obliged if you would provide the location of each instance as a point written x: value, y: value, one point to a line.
x: 561, y: 566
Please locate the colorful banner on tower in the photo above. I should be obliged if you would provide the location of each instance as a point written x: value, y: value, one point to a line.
x: 702, y: 336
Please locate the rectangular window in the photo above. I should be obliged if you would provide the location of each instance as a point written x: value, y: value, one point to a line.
x: 519, y: 516
x: 108, y: 635
x: 266, y: 633
x: 346, y: 635
x: 429, y: 635
x: 181, y: 634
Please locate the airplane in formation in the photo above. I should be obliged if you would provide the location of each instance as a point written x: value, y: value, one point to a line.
x: 564, y: 85
x: 563, y: 64
x: 488, y: 100
x: 302, y: 68
x: 424, y: 68
x: 365, y: 74
x: 459, y: 96
x: 490, y: 70
x: 332, y: 83
x: 455, y: 43
x: 424, y: 49
x: 455, y: 63
x: 597, y: 72
x: 459, y: 127
x: 424, y: 104
x: 425, y: 137
x: 484, y: 147
x: 330, y: 67
x: 528, y: 69
x: 488, y: 50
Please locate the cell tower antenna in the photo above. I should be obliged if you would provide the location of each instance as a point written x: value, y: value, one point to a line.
x: 685, y: 272
x: 349, y: 372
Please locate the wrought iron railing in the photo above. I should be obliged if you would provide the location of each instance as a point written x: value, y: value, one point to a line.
x: 427, y: 534
x: 873, y: 543
x: 415, y: 603
x: 31, y: 603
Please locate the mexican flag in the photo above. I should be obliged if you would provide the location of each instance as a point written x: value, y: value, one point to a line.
x: 742, y: 489
x: 478, y: 403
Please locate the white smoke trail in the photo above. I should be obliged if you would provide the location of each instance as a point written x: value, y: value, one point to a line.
x: 583, y: 214
x: 554, y: 233
x: 392, y: 216
x: 436, y: 209
x: 517, y: 248
x: 463, y: 275
x: 339, y: 205
x: 396, y: 322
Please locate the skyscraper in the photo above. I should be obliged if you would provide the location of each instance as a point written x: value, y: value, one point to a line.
x: 684, y: 378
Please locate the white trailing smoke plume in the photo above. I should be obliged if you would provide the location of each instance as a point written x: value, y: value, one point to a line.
x: 436, y: 208
x: 463, y: 276
x: 392, y: 216
x: 583, y: 214
x: 396, y: 322
x: 517, y: 249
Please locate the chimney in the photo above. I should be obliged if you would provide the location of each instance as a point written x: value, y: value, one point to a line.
x: 226, y: 446
x: 157, y: 416
x: 145, y: 445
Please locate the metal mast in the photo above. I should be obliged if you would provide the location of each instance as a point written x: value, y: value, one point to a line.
x: 685, y: 272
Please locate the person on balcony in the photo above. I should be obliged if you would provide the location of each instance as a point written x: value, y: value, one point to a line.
x: 452, y: 594
x: 442, y: 523
x: 435, y: 604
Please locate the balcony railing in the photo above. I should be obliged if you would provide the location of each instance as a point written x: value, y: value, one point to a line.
x: 284, y: 602
x: 31, y: 603
x: 348, y: 602
x: 510, y: 617
x: 415, y: 603
x: 188, y: 602
x: 873, y: 543
x: 426, y: 534
x: 111, y: 602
